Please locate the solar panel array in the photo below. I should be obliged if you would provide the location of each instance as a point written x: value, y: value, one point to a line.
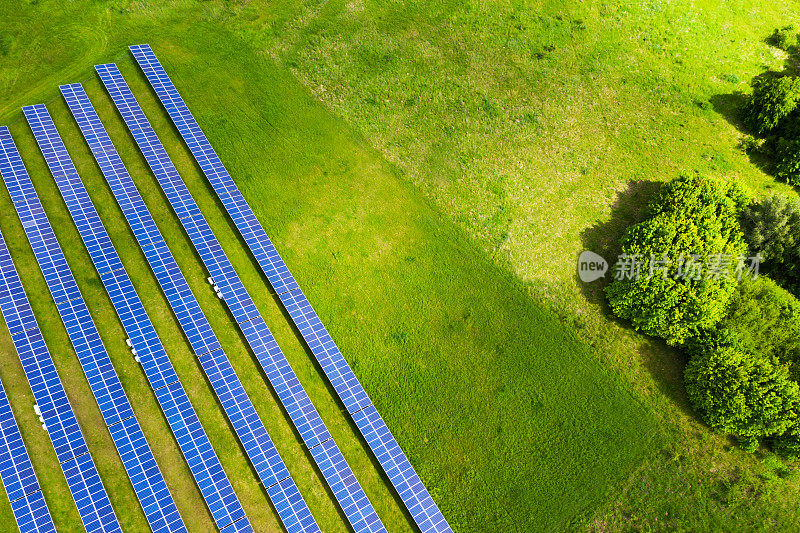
x: 306, y: 419
x: 16, y: 471
x: 272, y: 472
x: 191, y: 437
x: 352, y: 394
x: 71, y: 450
x: 137, y: 457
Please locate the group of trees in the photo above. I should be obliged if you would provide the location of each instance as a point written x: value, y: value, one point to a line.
x: 742, y: 335
x: 772, y: 112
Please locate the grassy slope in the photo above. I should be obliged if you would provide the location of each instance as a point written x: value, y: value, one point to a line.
x: 541, y: 128
x: 510, y: 420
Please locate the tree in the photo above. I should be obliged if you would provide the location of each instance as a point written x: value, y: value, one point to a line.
x: 743, y: 394
x: 743, y: 373
x: 772, y: 228
x: 787, y: 166
x: 693, y: 220
x: 774, y: 98
x: 763, y: 319
x: 783, y: 37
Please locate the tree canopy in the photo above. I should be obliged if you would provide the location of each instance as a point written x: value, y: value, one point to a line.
x: 694, y: 222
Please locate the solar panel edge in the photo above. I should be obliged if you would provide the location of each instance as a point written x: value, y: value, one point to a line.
x: 249, y: 233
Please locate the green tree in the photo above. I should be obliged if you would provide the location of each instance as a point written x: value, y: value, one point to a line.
x: 693, y: 221
x: 787, y: 166
x: 742, y: 394
x: 772, y: 228
x: 764, y: 319
x: 774, y: 98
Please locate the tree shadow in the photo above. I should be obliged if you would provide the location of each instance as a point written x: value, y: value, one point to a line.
x: 604, y: 238
x: 663, y: 362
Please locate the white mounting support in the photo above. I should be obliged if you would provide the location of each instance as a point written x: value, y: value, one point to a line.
x: 134, y: 352
x: 129, y: 343
x: 44, y: 427
x: 210, y: 280
x: 219, y: 295
x: 137, y: 359
x: 37, y: 410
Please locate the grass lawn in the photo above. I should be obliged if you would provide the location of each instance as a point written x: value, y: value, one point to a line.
x: 513, y: 421
x: 541, y: 129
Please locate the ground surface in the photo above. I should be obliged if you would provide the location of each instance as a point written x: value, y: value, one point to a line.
x: 512, y: 420
x: 541, y: 128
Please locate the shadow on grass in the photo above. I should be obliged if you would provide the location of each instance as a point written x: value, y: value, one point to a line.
x: 731, y: 107
x: 604, y: 238
x: 664, y: 363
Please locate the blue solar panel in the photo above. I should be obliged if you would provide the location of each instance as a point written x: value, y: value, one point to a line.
x: 31, y: 514
x: 194, y: 443
x: 114, y: 405
x: 303, y: 414
x: 349, y: 389
x: 19, y: 479
x: 237, y: 405
x: 83, y: 480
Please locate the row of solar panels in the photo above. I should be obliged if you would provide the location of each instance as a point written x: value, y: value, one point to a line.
x: 159, y: 507
x: 352, y: 394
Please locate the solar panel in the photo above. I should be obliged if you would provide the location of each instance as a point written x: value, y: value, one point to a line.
x: 301, y: 411
x: 191, y: 437
x: 16, y: 471
x: 266, y: 461
x: 90, y: 496
x: 148, y: 483
x: 352, y: 394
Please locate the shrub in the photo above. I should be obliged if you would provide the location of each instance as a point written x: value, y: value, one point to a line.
x: 746, y: 395
x: 787, y: 166
x: 742, y: 375
x: 783, y: 37
x: 772, y: 228
x: 763, y: 319
x: 691, y: 215
x: 774, y: 98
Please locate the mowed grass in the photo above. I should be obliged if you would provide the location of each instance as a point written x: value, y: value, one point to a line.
x: 510, y: 420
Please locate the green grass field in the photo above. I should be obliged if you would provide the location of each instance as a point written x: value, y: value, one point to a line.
x: 430, y: 171
x: 512, y: 420
x: 541, y: 128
